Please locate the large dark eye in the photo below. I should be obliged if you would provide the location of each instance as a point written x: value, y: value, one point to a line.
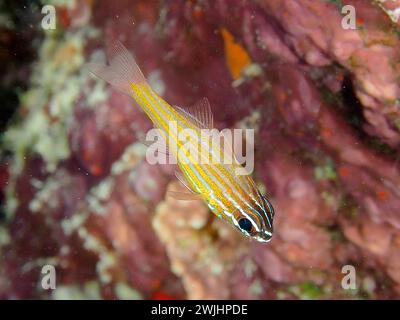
x: 245, y: 224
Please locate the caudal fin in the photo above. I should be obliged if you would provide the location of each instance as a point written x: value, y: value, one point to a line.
x: 122, y: 70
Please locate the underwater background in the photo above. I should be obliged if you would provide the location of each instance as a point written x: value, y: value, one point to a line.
x: 77, y: 193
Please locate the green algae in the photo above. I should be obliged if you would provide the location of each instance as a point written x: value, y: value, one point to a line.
x: 326, y: 171
x: 125, y: 292
x: 306, y: 291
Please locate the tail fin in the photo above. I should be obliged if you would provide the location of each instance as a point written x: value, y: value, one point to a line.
x: 122, y: 70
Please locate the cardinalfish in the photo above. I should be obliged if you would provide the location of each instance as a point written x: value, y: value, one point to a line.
x: 231, y: 196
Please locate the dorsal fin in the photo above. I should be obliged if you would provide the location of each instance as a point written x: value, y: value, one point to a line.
x: 200, y: 113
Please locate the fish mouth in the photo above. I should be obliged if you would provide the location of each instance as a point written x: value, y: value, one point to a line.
x: 264, y: 236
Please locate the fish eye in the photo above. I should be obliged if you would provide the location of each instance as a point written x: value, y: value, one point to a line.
x: 245, y: 224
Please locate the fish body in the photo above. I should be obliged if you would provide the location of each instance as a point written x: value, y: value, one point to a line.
x: 230, y: 196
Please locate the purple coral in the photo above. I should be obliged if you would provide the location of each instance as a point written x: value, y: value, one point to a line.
x: 324, y: 102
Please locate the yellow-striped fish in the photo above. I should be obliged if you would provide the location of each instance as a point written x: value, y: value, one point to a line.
x: 230, y: 196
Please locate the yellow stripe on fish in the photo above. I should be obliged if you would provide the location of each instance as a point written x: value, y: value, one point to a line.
x: 230, y: 196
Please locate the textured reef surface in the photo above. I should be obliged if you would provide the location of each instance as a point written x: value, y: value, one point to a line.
x: 324, y: 101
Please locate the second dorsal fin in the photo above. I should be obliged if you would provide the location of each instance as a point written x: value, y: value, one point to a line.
x: 200, y: 113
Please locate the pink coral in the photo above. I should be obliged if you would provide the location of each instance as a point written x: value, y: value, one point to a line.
x: 324, y: 103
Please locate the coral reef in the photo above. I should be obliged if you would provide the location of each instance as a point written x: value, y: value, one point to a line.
x: 324, y: 101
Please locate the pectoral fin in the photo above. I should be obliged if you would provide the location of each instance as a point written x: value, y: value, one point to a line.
x: 186, y: 196
x: 189, y: 195
x: 183, y: 180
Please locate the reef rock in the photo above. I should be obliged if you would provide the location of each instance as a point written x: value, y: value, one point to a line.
x: 324, y: 103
